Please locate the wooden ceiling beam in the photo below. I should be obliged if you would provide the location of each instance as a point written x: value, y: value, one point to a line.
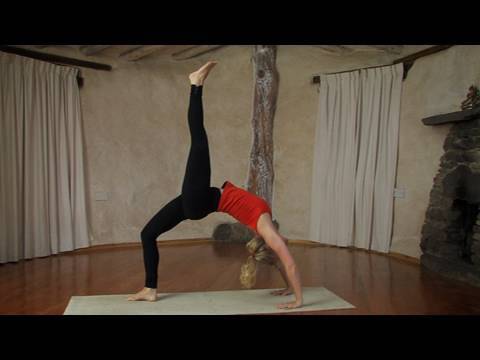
x: 347, y: 49
x: 334, y: 49
x: 141, y: 52
x: 195, y: 51
x: 392, y: 49
x: 93, y: 49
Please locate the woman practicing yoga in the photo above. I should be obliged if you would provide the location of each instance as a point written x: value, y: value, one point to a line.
x: 198, y: 199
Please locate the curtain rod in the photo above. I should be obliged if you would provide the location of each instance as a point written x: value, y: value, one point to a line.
x: 56, y: 59
x: 407, y: 62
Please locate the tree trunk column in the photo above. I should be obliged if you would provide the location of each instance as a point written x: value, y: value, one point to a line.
x: 261, y: 173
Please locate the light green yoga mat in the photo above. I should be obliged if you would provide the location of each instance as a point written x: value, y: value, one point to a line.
x: 233, y: 302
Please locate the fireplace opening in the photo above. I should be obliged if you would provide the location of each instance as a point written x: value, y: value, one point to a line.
x: 462, y: 227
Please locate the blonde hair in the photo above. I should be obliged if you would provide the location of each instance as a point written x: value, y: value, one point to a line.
x: 259, y: 252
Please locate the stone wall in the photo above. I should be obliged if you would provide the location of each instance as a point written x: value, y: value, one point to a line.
x: 451, y: 231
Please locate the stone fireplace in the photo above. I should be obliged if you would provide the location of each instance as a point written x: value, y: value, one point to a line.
x: 451, y: 232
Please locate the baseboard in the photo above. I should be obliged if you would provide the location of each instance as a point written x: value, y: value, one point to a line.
x: 404, y: 257
x: 198, y: 241
x: 180, y: 242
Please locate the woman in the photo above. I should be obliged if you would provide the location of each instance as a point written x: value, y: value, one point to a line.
x: 198, y: 199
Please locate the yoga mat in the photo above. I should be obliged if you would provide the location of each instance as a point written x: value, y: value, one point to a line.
x: 233, y: 302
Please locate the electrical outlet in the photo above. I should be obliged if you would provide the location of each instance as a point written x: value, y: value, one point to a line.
x: 399, y: 193
x: 101, y: 196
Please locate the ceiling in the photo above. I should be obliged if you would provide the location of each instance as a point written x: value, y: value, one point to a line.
x: 184, y: 52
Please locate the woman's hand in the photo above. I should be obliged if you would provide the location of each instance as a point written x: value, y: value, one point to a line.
x: 290, y: 305
x: 282, y: 292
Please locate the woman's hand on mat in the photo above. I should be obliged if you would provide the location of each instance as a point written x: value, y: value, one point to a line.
x: 290, y: 305
x: 282, y: 292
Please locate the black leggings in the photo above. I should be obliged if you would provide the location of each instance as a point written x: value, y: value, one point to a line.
x: 197, y: 199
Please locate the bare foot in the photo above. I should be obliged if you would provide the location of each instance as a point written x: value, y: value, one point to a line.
x: 282, y: 292
x: 290, y: 305
x: 198, y: 77
x: 146, y: 294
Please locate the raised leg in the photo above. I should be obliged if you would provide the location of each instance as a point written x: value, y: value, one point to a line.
x: 197, y: 172
x: 199, y: 199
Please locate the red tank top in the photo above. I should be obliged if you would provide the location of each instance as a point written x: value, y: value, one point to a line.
x: 242, y: 205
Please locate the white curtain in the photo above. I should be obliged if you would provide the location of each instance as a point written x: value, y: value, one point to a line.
x: 355, y: 158
x: 42, y: 188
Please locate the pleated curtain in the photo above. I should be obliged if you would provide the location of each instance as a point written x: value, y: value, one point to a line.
x: 355, y: 158
x: 42, y: 182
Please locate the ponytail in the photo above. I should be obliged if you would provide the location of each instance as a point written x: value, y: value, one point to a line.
x: 259, y: 252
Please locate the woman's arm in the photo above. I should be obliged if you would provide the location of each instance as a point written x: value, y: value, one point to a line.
x: 279, y: 247
x: 288, y: 288
x: 267, y: 230
x: 292, y: 274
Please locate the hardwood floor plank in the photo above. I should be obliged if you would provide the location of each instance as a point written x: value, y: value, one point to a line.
x: 374, y: 283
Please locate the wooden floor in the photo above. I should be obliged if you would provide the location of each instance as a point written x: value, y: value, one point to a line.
x: 374, y: 283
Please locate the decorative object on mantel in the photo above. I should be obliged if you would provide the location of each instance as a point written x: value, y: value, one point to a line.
x: 473, y: 98
x: 470, y: 110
